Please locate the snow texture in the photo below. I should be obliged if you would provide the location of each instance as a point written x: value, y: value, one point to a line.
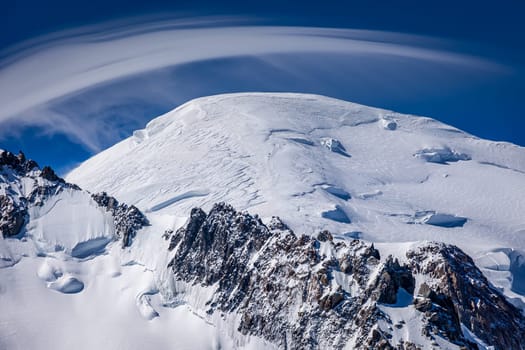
x: 317, y: 162
x: 262, y: 152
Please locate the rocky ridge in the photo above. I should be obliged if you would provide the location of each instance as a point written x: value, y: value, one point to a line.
x: 128, y: 219
x: 23, y: 185
x: 300, y: 292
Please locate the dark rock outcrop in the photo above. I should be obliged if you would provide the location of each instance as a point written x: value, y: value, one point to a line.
x: 282, y: 285
x: 461, y: 295
x: 18, y: 163
x: 50, y: 175
x: 128, y: 219
x: 12, y: 216
x: 299, y: 292
x: 393, y: 277
x: 14, y: 206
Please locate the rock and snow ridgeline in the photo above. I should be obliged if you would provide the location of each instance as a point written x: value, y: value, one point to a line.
x: 332, y: 170
x: 24, y: 184
x: 30, y: 203
x: 300, y: 292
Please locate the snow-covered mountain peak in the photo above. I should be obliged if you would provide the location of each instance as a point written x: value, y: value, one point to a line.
x: 372, y: 208
x: 320, y: 163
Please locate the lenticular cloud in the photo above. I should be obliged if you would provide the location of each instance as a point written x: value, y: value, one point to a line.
x: 68, y: 82
x: 66, y: 63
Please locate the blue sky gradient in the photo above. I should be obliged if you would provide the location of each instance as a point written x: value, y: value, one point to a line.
x: 483, y: 102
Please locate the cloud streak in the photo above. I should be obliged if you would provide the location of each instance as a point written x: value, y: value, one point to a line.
x: 45, y: 71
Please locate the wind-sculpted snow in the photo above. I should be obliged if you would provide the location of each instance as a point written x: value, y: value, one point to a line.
x: 338, y: 192
x: 441, y: 155
x: 300, y: 292
x: 437, y: 219
x: 281, y: 153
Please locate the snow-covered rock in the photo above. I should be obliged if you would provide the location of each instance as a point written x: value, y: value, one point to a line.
x: 441, y: 155
x: 58, y: 215
x: 317, y: 293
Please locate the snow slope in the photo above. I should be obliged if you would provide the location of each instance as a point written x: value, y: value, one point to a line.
x: 322, y: 163
x: 66, y: 282
x: 316, y: 162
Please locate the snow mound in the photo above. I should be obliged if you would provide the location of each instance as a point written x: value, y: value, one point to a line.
x: 7, y: 258
x: 441, y: 155
x: 334, y: 145
x: 67, y: 285
x: 368, y: 195
x: 438, y: 219
x: 144, y: 305
x: 388, y: 124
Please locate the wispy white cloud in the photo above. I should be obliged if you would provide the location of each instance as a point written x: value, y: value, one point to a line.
x: 35, y: 76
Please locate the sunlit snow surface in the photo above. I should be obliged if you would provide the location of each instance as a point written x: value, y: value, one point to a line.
x: 317, y: 162
x: 293, y: 155
x: 267, y: 153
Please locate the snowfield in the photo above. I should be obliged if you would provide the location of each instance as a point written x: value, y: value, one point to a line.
x: 316, y: 162
x: 321, y: 163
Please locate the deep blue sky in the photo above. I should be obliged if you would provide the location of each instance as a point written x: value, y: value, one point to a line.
x: 489, y: 107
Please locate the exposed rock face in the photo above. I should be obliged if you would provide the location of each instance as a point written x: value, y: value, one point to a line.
x: 283, y: 285
x: 24, y: 185
x: 128, y: 219
x: 308, y: 293
x: 393, y: 277
x: 18, y: 163
x: 460, y: 291
x: 13, y: 206
x: 12, y: 216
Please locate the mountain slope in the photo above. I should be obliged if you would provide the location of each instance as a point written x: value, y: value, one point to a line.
x: 321, y: 163
x: 378, y: 214
x: 65, y: 281
x: 37, y: 203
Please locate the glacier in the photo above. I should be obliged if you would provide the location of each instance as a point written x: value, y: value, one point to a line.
x: 397, y: 181
x: 266, y: 153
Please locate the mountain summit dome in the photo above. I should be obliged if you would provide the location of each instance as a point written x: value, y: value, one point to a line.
x: 264, y: 221
x: 320, y: 163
